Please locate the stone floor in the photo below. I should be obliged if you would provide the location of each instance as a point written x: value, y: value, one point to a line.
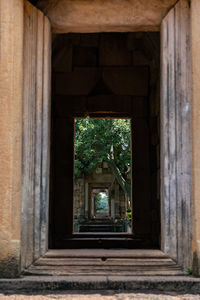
x: 100, y: 295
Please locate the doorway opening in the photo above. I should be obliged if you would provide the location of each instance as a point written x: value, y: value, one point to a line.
x: 101, y: 204
x: 102, y: 175
x: 106, y: 76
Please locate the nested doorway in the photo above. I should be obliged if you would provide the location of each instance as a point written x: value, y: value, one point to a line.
x: 175, y: 192
x: 106, y: 75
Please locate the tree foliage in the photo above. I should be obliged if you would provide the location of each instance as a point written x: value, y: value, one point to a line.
x: 101, y: 202
x: 98, y: 140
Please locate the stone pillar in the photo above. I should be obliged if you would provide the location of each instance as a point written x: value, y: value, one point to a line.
x: 117, y: 203
x: 86, y: 199
x: 11, y: 66
x: 113, y: 207
x: 195, y: 41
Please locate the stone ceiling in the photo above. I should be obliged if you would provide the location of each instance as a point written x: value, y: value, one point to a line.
x: 105, y: 15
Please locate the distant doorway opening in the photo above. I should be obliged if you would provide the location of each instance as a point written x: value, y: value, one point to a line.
x: 101, y: 205
x: 102, y: 175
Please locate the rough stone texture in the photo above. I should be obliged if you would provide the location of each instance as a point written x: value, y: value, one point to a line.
x: 104, y: 180
x: 11, y: 52
x: 113, y: 51
x: 78, y: 16
x: 195, y: 42
x: 176, y: 152
x: 166, y: 284
x: 63, y: 61
x: 94, y: 295
x: 36, y: 119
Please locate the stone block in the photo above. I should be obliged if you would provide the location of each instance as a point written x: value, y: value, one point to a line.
x: 74, y: 38
x: 89, y: 40
x: 62, y: 61
x: 113, y: 51
x: 158, y: 125
x: 158, y: 156
x: 153, y: 101
x: 79, y: 82
x: 132, y: 81
x: 158, y: 185
x: 139, y: 59
x: 64, y: 39
x: 109, y: 103
x: 135, y: 41
x: 154, y: 133
x: 139, y: 107
x: 70, y: 105
x: 85, y: 56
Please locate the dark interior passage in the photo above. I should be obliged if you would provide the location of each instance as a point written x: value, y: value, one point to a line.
x: 107, y: 75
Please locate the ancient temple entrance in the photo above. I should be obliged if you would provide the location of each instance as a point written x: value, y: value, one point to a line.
x: 102, y: 200
x: 115, y: 75
x: 105, y: 76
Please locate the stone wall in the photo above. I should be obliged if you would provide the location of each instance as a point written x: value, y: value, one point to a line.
x: 79, y: 197
x: 11, y: 89
x: 195, y: 44
x: 103, y: 180
x: 36, y: 135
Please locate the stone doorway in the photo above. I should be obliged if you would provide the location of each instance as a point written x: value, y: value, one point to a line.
x: 107, y: 75
x: 176, y: 201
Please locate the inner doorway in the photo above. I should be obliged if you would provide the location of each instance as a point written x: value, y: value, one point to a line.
x: 102, y: 176
x: 110, y: 75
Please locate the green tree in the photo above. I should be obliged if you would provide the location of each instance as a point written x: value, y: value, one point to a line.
x: 101, y: 202
x: 98, y: 140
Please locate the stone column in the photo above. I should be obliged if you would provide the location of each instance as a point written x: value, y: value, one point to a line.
x: 195, y: 41
x: 117, y: 203
x: 11, y: 66
x: 86, y: 199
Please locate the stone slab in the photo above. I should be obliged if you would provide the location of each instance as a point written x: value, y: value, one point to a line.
x: 79, y: 82
x: 125, y: 253
x: 63, y: 60
x: 86, y: 16
x: 112, y: 50
x: 130, y: 81
x: 85, y: 56
x: 30, y: 284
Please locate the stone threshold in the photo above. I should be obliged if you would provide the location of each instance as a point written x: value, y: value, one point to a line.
x: 104, y: 262
x: 181, y: 284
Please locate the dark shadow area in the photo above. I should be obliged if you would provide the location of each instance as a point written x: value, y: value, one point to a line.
x: 106, y: 75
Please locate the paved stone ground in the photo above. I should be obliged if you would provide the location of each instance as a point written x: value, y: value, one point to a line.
x: 107, y: 295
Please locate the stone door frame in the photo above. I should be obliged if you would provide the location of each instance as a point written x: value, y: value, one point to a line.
x: 176, y: 141
x: 175, y: 172
x: 176, y: 150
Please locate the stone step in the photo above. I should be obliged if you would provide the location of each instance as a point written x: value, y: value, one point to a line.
x: 100, y: 228
x: 181, y: 284
x: 106, y: 253
x: 104, y: 263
